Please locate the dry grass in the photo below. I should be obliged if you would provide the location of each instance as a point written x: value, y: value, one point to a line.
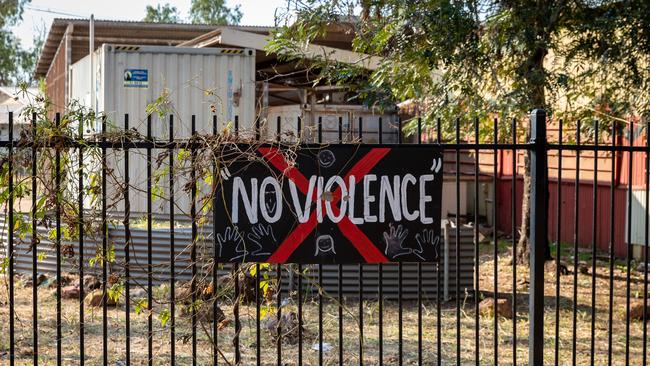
x: 161, y: 347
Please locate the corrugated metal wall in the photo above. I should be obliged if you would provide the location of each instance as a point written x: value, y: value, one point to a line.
x: 55, y: 80
x: 585, y: 209
x: 160, y: 262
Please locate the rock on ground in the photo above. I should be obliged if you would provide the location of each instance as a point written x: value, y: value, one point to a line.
x: 94, y: 299
x: 70, y: 292
x: 91, y: 282
x: 503, y: 306
x: 636, y: 310
x: 288, y: 326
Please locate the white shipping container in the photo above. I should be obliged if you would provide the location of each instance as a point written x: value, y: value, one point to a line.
x: 204, y: 82
x: 192, y: 81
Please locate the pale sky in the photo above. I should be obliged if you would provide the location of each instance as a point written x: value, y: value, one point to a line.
x: 40, y: 13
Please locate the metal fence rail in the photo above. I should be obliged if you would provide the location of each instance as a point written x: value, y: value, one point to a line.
x: 176, y: 305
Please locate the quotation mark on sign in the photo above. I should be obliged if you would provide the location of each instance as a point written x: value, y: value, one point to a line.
x: 437, y: 164
x: 225, y: 173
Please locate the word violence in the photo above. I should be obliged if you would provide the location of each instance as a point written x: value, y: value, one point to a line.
x: 384, y: 198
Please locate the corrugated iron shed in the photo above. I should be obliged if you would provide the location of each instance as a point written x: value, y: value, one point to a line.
x: 123, y: 32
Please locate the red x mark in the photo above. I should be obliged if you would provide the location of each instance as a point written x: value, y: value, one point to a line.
x: 360, y: 241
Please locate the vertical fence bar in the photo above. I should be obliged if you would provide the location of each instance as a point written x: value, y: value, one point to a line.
x: 477, y: 277
x: 278, y: 342
x: 215, y: 252
x: 612, y: 196
x: 10, y: 234
x: 149, y: 252
x: 558, y: 247
x: 340, y: 274
x: 300, y: 315
x: 278, y: 272
x: 127, y: 244
x: 496, y: 240
x: 538, y: 234
x: 513, y: 213
x: 80, y: 219
x: 258, y: 337
x: 645, y: 248
x: 299, y: 128
x: 299, y: 282
x: 594, y: 243
x: 457, y: 270
x: 320, y: 275
x: 361, y: 278
x: 438, y: 282
x: 104, y: 249
x: 34, y: 244
x: 380, y: 281
x: 194, y: 235
x: 57, y: 188
x: 419, y: 271
x: 172, y: 254
x: 235, y: 340
x: 576, y: 211
x: 628, y: 255
x: 400, y: 276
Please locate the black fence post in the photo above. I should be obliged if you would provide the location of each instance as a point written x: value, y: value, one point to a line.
x: 538, y: 233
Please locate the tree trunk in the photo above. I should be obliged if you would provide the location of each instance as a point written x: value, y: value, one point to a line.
x: 523, y: 249
x: 538, y: 100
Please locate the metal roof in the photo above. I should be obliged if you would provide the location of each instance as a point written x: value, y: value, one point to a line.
x: 119, y: 31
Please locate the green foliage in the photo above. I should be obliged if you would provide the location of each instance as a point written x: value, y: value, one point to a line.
x: 264, y: 276
x: 162, y: 105
x: 16, y: 64
x: 214, y: 12
x: 140, y: 304
x: 163, y: 316
x: 485, y: 59
x: 115, y: 291
x: 4, y: 264
x: 162, y: 14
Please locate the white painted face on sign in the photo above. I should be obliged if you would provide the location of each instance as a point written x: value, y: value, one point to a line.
x: 324, y: 244
x: 326, y: 158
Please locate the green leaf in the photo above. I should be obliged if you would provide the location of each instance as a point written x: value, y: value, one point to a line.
x: 140, y: 305
x: 164, y: 317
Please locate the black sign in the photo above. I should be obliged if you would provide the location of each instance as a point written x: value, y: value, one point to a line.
x: 331, y: 204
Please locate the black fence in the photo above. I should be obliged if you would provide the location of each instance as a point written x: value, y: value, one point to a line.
x: 149, y: 290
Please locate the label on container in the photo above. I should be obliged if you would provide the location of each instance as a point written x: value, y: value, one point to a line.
x: 136, y: 78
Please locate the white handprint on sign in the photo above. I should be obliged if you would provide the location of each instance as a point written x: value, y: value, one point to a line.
x: 427, y: 238
x: 231, y: 237
x: 261, y: 235
x: 394, y: 239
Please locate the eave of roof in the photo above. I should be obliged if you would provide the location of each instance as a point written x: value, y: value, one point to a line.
x: 137, y: 31
x: 226, y: 36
